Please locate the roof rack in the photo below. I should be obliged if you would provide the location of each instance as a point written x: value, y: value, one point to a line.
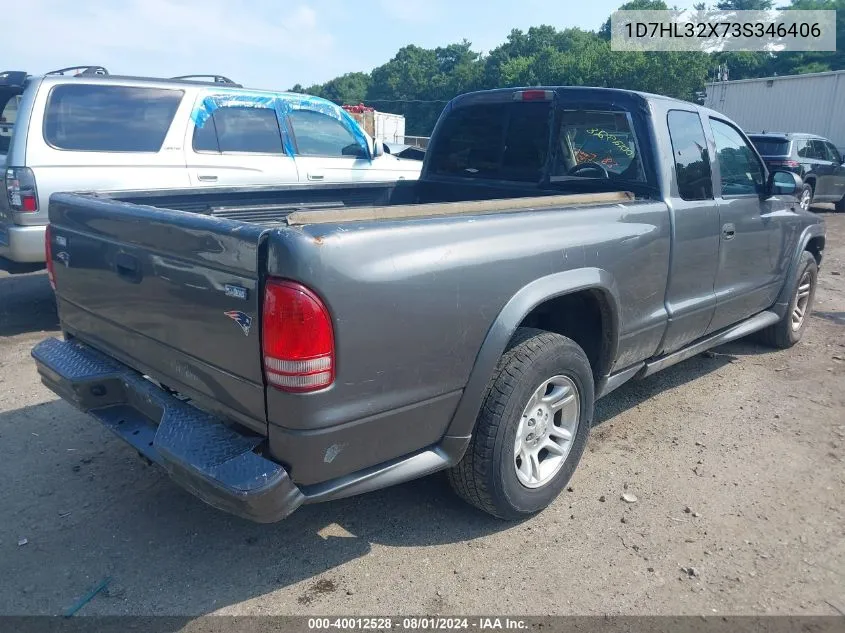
x: 83, y: 70
x: 218, y: 79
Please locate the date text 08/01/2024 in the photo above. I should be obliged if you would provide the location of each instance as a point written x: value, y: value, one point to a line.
x: 417, y: 623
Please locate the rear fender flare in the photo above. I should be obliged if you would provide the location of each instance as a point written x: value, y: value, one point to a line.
x: 508, y: 320
x: 785, y: 296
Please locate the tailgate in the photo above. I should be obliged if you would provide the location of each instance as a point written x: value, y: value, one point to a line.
x: 172, y: 294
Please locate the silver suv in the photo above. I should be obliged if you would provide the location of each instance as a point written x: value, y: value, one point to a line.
x: 94, y: 131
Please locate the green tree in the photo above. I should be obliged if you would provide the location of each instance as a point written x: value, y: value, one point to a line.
x: 417, y: 82
x: 634, y: 5
x: 744, y: 5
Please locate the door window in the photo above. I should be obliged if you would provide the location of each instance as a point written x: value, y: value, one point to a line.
x: 813, y: 150
x: 240, y: 129
x: 740, y: 170
x: 833, y: 153
x: 692, y: 161
x: 316, y: 134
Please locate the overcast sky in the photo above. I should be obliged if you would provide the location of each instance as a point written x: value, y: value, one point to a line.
x: 267, y: 44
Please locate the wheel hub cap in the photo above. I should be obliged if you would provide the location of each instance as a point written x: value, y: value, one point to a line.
x: 546, y: 431
x: 802, y: 301
x: 805, y: 200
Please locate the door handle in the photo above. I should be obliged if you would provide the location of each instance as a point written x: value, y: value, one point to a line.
x: 315, y: 176
x: 728, y: 231
x: 207, y: 178
x: 128, y: 267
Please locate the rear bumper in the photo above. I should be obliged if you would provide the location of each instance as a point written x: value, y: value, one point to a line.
x: 22, y: 244
x: 212, y: 461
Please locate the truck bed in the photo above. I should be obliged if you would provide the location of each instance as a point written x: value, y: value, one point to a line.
x: 330, y: 203
x: 150, y: 278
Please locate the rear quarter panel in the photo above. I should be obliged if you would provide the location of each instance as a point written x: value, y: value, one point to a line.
x: 413, y: 301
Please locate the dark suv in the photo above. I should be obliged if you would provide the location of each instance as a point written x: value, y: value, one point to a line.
x: 813, y: 158
x: 11, y: 87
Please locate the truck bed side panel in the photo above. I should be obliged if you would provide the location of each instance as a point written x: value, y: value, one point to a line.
x: 413, y: 300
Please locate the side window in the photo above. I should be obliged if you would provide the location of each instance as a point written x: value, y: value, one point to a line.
x: 833, y: 153
x: 740, y: 169
x: 804, y: 148
x: 318, y: 134
x: 108, y: 118
x: 818, y: 150
x: 692, y: 161
x: 240, y: 129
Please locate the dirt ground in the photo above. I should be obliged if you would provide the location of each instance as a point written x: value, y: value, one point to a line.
x: 737, y: 461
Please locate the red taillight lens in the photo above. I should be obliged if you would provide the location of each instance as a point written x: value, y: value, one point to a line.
x: 20, y: 190
x: 784, y: 163
x: 48, y: 251
x: 533, y: 95
x: 297, y: 338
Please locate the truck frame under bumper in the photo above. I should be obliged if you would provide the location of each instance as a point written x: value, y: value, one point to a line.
x: 215, y: 462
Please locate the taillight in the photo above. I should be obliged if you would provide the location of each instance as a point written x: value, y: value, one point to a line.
x: 784, y: 163
x: 533, y: 95
x: 297, y: 338
x: 20, y: 190
x: 48, y: 251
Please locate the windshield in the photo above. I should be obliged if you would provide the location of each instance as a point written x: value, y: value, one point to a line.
x: 511, y: 141
x: 768, y: 146
x: 9, y: 100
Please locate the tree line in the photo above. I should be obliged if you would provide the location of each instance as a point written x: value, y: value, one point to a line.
x: 417, y: 82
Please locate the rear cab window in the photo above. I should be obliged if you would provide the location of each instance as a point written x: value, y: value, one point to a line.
x: 109, y: 118
x: 502, y: 141
x: 596, y: 137
x: 529, y: 141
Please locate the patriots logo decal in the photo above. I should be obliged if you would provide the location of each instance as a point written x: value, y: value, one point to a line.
x: 244, y: 320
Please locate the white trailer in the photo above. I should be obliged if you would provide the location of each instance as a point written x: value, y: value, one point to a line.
x: 813, y: 103
x: 383, y: 126
x: 390, y: 128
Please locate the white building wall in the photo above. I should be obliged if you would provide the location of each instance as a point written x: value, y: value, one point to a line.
x: 812, y: 103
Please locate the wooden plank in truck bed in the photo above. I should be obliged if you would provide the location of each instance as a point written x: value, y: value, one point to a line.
x: 471, y: 207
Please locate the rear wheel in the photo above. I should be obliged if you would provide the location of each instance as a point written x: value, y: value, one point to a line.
x: 788, y: 331
x: 532, y: 428
x: 805, y: 200
x: 840, y: 204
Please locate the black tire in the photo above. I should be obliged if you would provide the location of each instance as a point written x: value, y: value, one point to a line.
x: 805, y: 199
x: 783, y: 334
x: 840, y: 204
x: 486, y: 476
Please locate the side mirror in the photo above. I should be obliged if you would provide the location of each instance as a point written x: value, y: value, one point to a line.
x: 378, y: 148
x: 784, y: 183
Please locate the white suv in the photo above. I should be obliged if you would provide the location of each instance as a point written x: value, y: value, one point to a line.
x: 109, y: 133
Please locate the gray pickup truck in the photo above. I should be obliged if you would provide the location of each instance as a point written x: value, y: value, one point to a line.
x: 274, y: 346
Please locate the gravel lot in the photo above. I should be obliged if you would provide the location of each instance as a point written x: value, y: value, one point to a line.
x: 737, y: 460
